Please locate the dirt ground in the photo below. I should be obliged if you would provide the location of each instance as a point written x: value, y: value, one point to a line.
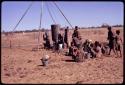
x: 23, y: 65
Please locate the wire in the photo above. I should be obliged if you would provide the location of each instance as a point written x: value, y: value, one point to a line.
x: 23, y: 16
x: 53, y: 12
x: 41, y: 15
x: 50, y: 13
x: 40, y: 22
x: 62, y: 14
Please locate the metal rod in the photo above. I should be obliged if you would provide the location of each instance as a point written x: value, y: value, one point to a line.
x: 23, y: 16
x: 41, y: 14
x: 50, y: 13
x: 63, y: 14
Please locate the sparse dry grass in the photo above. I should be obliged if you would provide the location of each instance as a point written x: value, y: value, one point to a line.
x: 22, y: 65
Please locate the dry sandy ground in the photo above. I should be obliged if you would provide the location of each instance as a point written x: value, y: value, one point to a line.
x: 22, y: 65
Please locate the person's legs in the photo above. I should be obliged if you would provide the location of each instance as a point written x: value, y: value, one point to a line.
x: 115, y: 51
x: 120, y: 53
x: 119, y: 48
x: 70, y: 51
x: 109, y: 51
x: 111, y: 46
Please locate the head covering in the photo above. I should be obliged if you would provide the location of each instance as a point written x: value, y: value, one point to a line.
x: 90, y: 40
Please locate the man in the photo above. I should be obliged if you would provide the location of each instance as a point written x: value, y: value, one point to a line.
x: 76, y: 41
x: 66, y: 40
x: 111, y: 40
x: 76, y: 32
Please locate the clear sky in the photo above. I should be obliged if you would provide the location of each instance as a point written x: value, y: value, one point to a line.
x: 82, y: 14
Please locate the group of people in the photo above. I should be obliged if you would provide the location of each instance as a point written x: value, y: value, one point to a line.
x: 96, y: 49
x: 61, y: 42
x: 115, y: 41
x: 80, y: 50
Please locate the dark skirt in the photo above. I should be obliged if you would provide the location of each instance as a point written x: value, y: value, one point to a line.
x: 111, y: 44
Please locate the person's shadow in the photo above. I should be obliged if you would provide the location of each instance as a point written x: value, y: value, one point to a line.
x: 69, y: 60
x: 40, y: 65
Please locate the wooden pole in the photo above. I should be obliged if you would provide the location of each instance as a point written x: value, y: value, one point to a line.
x: 40, y: 25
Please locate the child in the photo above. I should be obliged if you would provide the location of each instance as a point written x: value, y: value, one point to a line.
x: 98, y: 49
x: 118, y: 42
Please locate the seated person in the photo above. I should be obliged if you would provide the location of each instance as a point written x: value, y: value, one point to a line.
x: 98, y: 49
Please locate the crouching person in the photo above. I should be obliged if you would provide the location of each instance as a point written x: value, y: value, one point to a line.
x: 88, y: 49
x: 77, y: 55
x: 92, y: 51
x: 71, y: 49
x: 45, y: 60
x: 98, y: 49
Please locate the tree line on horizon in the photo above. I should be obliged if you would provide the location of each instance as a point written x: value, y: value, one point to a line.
x: 43, y: 29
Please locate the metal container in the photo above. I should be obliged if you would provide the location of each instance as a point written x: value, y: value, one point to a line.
x: 55, y: 31
x: 44, y: 62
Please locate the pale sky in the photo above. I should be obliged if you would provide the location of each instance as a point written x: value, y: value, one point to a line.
x: 82, y: 14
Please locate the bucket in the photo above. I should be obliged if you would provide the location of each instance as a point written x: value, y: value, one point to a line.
x: 44, y: 62
x: 60, y: 46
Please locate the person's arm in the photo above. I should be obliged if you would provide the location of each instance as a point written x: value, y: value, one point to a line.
x: 121, y: 40
x: 108, y: 36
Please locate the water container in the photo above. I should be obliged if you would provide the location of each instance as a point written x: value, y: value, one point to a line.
x: 55, y: 31
x: 60, y: 46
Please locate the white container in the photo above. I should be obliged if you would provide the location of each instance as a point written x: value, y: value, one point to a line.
x: 45, y: 60
x: 60, y: 46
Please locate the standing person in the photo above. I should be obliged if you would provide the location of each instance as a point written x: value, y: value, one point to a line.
x: 111, y: 40
x: 66, y: 40
x: 60, y: 42
x: 76, y: 37
x: 80, y: 45
x: 76, y: 32
x: 118, y: 42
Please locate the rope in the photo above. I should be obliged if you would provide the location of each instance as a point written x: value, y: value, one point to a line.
x: 23, y: 16
x: 62, y: 14
x: 50, y: 13
x: 41, y: 16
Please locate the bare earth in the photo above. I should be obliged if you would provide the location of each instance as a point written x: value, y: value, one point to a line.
x: 22, y: 65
